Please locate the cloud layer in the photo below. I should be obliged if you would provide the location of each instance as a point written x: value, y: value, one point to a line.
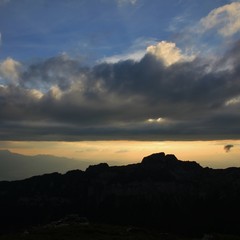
x: 150, y: 99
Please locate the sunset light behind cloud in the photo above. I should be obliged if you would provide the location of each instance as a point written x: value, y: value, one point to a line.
x: 115, y: 80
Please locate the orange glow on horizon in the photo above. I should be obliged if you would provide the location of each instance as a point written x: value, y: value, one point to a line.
x: 207, y: 153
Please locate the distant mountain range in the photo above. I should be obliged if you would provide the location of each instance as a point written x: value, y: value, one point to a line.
x: 15, y: 166
x: 161, y: 192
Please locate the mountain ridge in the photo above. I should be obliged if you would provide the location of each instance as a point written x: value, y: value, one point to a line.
x: 15, y: 166
x: 160, y: 191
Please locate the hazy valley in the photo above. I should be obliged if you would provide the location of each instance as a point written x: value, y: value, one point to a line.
x: 15, y: 166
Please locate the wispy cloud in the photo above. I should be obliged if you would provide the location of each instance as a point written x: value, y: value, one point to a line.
x: 135, y: 52
x: 122, y: 2
x: 121, y: 151
x: 177, y: 21
x: 225, y: 19
x: 135, y: 56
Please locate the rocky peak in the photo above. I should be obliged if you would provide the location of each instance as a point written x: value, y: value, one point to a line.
x: 159, y: 158
x: 96, y: 169
x: 170, y: 162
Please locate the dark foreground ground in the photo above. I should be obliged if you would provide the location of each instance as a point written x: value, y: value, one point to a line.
x: 103, y: 232
x: 161, y: 193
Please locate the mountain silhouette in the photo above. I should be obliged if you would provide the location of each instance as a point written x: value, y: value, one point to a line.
x: 161, y: 192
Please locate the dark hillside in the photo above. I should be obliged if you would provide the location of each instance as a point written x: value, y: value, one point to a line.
x: 161, y: 192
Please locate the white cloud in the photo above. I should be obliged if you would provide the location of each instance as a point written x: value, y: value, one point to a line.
x: 168, y: 53
x: 135, y: 56
x: 233, y: 101
x: 226, y: 19
x: 9, y: 69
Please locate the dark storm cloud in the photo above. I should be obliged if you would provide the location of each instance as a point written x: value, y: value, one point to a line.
x: 60, y: 99
x: 60, y: 70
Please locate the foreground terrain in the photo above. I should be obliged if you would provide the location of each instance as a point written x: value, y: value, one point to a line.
x: 104, y: 232
x: 161, y: 193
x: 96, y: 232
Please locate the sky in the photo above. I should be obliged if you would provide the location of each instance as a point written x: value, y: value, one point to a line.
x: 117, y: 79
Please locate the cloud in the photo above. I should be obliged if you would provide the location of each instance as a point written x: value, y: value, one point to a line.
x: 122, y: 2
x: 233, y: 101
x: 135, y: 56
x: 122, y: 151
x: 178, y: 22
x: 9, y: 69
x: 167, y: 52
x: 60, y: 70
x: 226, y: 19
x: 87, y: 150
x: 157, y: 120
x: 136, y: 51
x: 60, y: 99
x: 228, y: 147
